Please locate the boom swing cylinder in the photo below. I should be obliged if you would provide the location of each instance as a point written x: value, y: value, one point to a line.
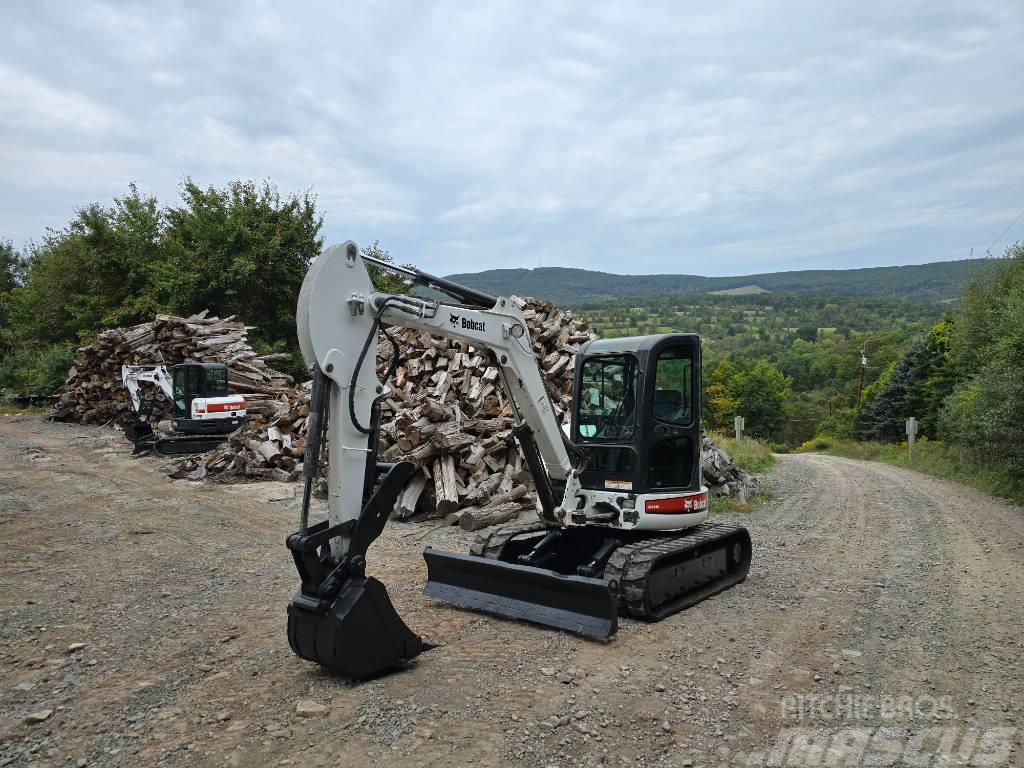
x: 623, y: 500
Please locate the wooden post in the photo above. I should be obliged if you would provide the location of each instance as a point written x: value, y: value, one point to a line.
x: 911, y: 434
x: 740, y: 423
x: 863, y: 366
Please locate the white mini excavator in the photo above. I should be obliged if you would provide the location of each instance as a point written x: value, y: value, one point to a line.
x: 621, y: 524
x: 203, y: 414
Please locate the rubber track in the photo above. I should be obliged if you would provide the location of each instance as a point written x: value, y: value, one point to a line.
x: 631, y: 564
x: 491, y: 543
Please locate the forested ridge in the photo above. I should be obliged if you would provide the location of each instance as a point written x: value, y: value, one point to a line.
x: 939, y: 281
x: 790, y: 363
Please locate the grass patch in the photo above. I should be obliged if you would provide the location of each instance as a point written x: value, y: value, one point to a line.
x: 932, y: 457
x: 753, y: 455
x: 10, y: 409
x: 720, y: 505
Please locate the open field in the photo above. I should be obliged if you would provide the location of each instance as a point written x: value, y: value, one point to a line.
x: 877, y: 597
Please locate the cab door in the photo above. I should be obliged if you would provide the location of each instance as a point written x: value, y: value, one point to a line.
x: 672, y: 426
x: 605, y: 421
x: 189, y: 383
x: 182, y: 392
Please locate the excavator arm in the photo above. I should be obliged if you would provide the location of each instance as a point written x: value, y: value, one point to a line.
x: 132, y: 375
x: 338, y: 318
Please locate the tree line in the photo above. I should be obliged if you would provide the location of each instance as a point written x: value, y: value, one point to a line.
x: 242, y: 249
x: 962, y: 378
x: 791, y: 364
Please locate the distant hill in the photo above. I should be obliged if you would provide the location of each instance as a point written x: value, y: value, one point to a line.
x: 940, y: 280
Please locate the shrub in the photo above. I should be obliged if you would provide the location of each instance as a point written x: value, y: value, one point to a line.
x: 36, y: 371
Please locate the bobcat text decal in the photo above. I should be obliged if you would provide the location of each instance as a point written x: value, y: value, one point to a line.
x: 467, y: 325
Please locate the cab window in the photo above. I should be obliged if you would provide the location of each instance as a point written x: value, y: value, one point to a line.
x: 180, y: 390
x: 607, y: 401
x: 216, y: 381
x: 673, y: 386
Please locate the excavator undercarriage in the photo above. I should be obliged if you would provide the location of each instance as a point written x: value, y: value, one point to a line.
x: 649, y: 575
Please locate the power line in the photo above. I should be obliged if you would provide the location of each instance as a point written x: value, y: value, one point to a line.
x: 1008, y: 228
x: 927, y: 362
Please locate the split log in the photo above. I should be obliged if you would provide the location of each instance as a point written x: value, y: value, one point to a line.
x: 516, y: 493
x: 411, y: 495
x: 503, y: 513
x: 446, y: 494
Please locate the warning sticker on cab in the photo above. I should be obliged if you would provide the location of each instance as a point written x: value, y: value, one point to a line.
x: 618, y: 485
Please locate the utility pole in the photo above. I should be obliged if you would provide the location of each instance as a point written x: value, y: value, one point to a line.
x: 863, y: 365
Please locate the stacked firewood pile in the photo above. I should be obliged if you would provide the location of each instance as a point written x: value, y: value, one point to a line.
x: 94, y: 392
x: 445, y: 410
x: 724, y: 477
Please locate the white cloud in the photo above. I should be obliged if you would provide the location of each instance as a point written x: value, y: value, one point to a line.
x: 29, y: 104
x: 746, y: 137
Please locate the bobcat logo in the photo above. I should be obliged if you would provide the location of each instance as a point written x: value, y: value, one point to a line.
x: 454, y: 320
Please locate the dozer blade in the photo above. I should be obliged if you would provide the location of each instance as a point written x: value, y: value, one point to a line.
x: 181, y: 445
x: 578, y: 604
x: 359, y: 635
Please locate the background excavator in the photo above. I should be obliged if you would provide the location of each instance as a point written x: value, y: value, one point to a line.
x: 203, y: 414
x: 622, y: 522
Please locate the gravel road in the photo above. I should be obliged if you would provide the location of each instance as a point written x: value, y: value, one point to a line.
x: 143, y: 624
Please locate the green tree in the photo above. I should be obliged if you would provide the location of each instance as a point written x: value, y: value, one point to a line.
x: 941, y: 374
x: 11, y: 267
x: 385, y: 280
x: 759, y: 392
x: 722, y: 403
x: 807, y: 333
x: 37, y: 370
x: 99, y: 271
x: 242, y: 250
x: 985, y: 413
x: 763, y: 391
x: 884, y: 415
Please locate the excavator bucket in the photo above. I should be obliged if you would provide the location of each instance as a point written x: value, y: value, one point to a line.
x: 341, y: 618
x: 141, y: 433
x: 578, y: 604
x: 358, y: 635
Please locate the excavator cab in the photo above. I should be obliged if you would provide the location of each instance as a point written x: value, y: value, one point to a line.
x: 636, y: 414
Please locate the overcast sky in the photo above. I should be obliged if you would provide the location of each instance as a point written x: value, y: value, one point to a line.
x: 628, y: 137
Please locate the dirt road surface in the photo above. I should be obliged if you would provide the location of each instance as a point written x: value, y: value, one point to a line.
x: 143, y: 624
